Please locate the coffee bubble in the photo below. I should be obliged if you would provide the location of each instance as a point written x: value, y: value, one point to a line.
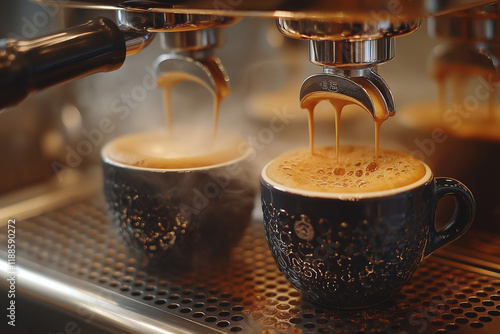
x: 355, y: 171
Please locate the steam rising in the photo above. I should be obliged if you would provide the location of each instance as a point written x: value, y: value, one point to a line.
x: 177, y: 148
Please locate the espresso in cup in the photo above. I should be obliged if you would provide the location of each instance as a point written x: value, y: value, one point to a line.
x: 180, y: 198
x: 356, y: 171
x: 349, y: 233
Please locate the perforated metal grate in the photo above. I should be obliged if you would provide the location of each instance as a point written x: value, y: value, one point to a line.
x: 249, y: 294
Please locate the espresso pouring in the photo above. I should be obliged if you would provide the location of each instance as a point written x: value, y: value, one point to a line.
x: 381, y: 114
x: 175, y: 147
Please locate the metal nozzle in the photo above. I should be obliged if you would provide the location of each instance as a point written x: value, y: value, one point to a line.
x: 136, y: 40
x: 350, y: 53
x: 473, y: 36
x: 192, y: 52
x: 480, y: 58
x: 476, y: 25
x: 360, y: 86
x: 361, y: 28
x: 153, y: 21
x: 189, y: 39
x: 350, y: 72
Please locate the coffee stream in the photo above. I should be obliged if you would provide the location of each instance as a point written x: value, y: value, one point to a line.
x: 338, y: 102
x: 178, y: 147
x: 168, y: 80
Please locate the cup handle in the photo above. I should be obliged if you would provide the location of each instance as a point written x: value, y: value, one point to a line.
x: 465, y: 210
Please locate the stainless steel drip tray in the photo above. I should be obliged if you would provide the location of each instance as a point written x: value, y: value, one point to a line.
x: 477, y: 248
x: 70, y: 261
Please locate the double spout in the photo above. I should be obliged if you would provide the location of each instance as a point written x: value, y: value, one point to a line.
x: 334, y: 28
x: 350, y: 72
x: 100, y: 45
x: 189, y: 41
x: 193, y: 53
x: 349, y: 54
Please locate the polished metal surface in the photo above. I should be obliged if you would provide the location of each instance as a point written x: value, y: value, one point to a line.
x: 480, y: 249
x: 345, y: 31
x: 386, y: 94
x: 351, y: 53
x: 28, y: 66
x: 49, y: 195
x: 193, y: 52
x: 348, y: 50
x: 349, y: 86
x: 188, y: 39
x: 116, y: 311
x: 339, y: 85
x: 469, y: 43
x: 160, y: 22
x: 344, y: 10
x: 202, y: 65
x: 469, y: 50
x: 192, y: 40
x: 448, y: 59
x: 136, y: 40
x: 71, y: 259
x: 477, y: 25
x: 186, y: 31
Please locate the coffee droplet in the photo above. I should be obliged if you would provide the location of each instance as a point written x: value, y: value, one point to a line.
x: 339, y: 171
x: 359, y: 173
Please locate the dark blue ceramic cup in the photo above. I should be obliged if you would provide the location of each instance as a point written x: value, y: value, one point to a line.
x: 184, y: 218
x: 357, y: 250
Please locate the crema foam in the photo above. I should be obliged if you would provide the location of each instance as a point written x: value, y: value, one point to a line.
x: 177, y: 149
x: 355, y: 171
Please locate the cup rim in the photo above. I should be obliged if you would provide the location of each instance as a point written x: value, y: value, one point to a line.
x: 105, y: 159
x: 347, y: 196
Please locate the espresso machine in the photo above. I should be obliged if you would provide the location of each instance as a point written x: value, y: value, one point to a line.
x: 69, y: 272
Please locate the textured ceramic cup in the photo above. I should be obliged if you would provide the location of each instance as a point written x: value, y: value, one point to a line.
x: 184, y: 217
x: 358, y: 250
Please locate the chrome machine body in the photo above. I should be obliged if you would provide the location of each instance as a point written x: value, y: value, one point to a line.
x: 349, y: 39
